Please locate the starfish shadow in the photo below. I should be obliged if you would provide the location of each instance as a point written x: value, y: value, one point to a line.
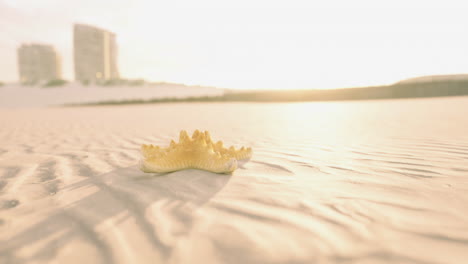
x: 123, y: 195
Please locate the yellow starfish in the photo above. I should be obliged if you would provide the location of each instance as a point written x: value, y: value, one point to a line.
x: 198, y: 152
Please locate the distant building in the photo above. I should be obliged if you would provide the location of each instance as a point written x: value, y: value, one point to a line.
x: 95, y: 54
x: 38, y: 63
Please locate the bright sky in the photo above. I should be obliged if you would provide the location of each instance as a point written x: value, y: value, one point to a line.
x: 253, y: 43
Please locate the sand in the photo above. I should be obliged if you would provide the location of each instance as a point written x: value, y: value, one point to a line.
x: 354, y: 182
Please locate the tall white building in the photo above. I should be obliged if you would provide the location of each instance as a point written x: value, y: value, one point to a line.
x: 38, y: 63
x: 95, y: 54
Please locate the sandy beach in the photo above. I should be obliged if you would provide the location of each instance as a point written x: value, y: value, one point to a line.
x: 19, y: 96
x: 332, y: 182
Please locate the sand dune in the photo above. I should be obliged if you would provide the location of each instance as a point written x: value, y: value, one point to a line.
x: 358, y: 182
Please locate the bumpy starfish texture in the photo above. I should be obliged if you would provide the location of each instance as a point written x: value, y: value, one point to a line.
x: 197, y: 152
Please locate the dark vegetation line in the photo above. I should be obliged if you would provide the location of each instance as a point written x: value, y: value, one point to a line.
x: 399, y: 90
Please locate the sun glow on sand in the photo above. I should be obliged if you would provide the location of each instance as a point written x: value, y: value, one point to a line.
x: 264, y: 44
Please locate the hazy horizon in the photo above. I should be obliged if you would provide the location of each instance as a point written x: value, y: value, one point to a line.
x: 252, y: 44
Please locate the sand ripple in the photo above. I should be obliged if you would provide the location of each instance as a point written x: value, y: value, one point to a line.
x: 326, y: 191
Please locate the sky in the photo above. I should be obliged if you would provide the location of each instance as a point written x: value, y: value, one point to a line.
x: 252, y: 44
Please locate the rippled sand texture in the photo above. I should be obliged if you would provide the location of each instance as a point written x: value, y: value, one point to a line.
x: 354, y: 182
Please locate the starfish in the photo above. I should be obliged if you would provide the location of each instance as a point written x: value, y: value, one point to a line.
x: 197, y: 152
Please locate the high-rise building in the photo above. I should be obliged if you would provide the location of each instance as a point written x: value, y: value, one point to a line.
x: 95, y: 54
x: 38, y: 63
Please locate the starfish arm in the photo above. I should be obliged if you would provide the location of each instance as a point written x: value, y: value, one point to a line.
x: 174, y: 162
